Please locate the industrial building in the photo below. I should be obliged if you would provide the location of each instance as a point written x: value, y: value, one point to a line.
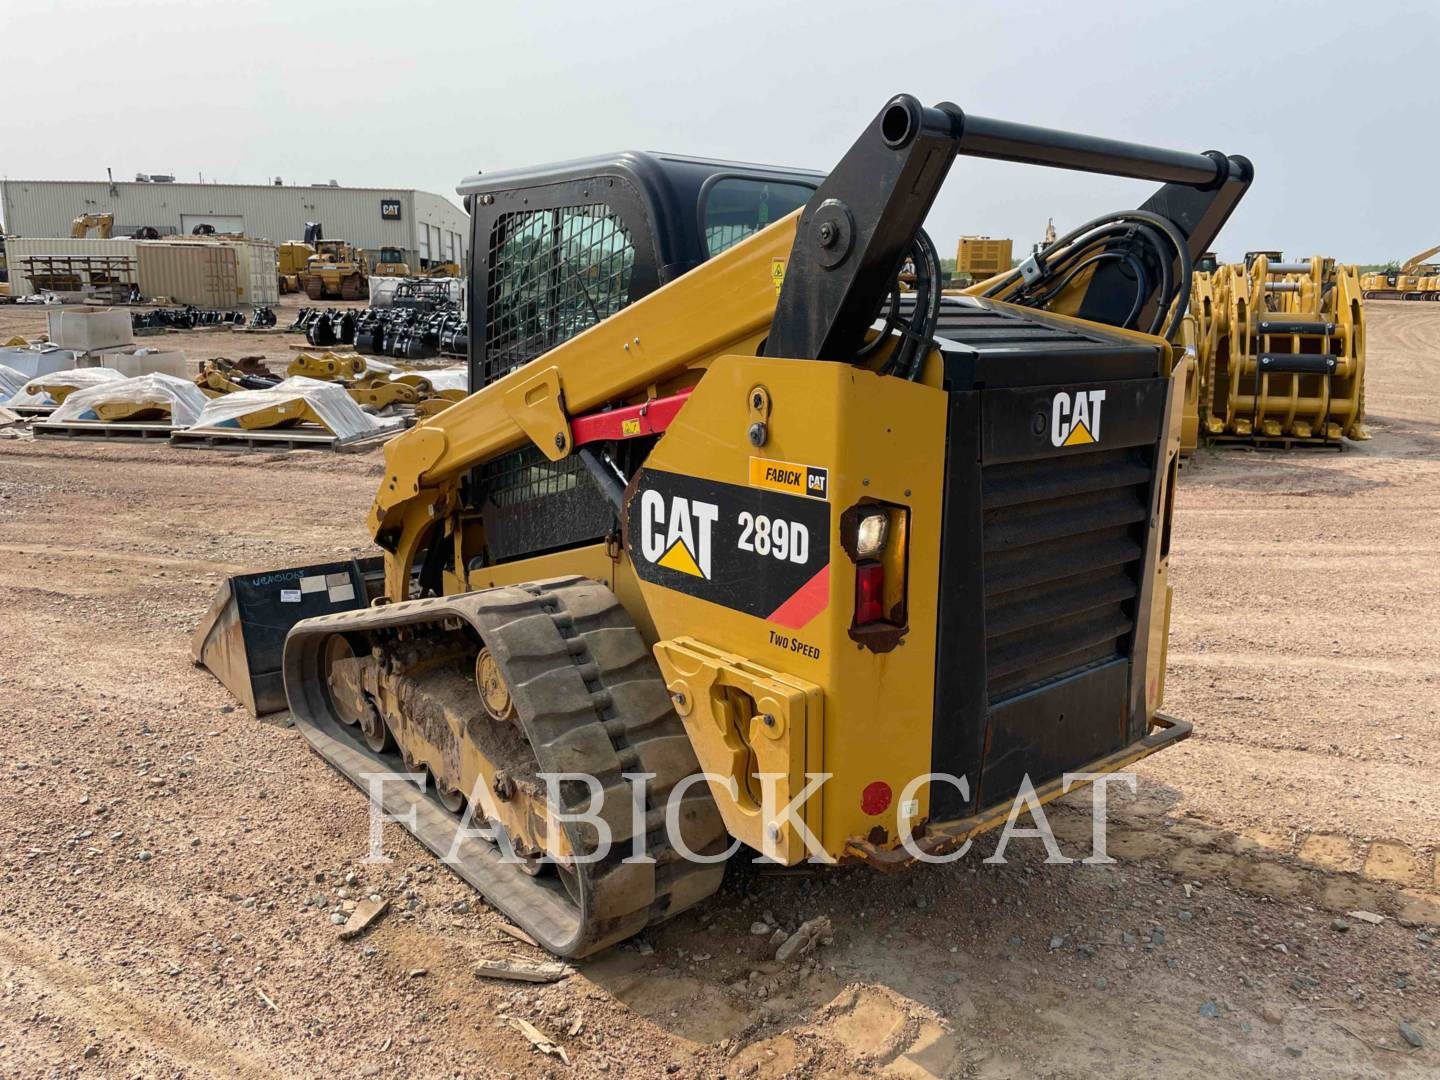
x: 426, y: 226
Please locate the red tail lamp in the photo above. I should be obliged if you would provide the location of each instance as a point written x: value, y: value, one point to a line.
x: 869, y: 591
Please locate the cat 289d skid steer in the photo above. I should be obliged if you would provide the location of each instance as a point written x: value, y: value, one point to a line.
x: 838, y: 566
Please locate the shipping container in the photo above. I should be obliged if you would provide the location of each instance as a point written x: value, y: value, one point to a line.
x: 208, y: 272
x: 205, y: 275
x: 257, y: 268
x: 20, y: 248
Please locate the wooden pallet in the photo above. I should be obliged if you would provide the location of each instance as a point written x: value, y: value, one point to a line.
x: 1272, y: 442
x: 100, y: 430
x: 277, y: 439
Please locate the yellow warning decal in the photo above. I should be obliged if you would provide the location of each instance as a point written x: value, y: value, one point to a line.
x: 777, y: 272
x: 630, y: 427
x: 679, y: 558
x: 789, y: 477
x: 1079, y: 435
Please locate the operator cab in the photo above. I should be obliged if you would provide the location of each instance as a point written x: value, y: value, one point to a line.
x: 557, y: 249
x: 554, y: 251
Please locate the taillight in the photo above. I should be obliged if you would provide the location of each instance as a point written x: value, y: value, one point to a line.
x: 869, y: 592
x: 876, y: 536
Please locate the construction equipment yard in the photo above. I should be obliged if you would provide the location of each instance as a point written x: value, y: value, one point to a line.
x: 177, y: 873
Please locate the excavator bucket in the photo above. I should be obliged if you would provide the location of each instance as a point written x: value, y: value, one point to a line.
x: 241, y: 638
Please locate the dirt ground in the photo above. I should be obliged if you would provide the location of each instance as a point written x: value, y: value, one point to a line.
x: 169, y: 866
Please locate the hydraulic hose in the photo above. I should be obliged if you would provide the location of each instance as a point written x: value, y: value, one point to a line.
x: 1096, y: 241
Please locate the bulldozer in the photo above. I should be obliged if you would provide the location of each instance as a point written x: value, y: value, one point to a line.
x: 337, y: 270
x: 755, y: 548
x: 102, y: 224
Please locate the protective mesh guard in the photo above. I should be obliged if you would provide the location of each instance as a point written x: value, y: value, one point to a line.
x: 552, y: 274
x: 532, y: 504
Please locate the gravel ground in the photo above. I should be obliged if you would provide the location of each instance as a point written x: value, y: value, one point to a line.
x: 172, y: 867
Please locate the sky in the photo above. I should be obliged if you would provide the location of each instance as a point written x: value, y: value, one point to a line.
x: 1335, y: 104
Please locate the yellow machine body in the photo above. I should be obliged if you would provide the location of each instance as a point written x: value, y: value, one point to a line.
x: 390, y: 262
x: 823, y: 689
x: 1415, y: 279
x: 773, y: 530
x: 291, y: 258
x: 337, y: 270
x: 101, y: 224
x: 982, y: 257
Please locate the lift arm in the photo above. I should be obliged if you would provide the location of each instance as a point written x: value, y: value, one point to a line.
x: 861, y: 223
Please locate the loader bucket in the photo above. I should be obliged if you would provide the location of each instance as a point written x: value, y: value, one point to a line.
x: 242, y: 636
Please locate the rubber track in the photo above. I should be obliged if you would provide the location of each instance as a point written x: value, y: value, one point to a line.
x: 591, y: 701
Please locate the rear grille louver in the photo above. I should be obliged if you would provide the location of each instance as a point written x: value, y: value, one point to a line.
x: 1063, y: 544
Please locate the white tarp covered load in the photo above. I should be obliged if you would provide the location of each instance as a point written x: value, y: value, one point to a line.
x: 11, y: 383
x: 186, y: 400
x: 454, y: 378
x: 382, y: 290
x: 34, y: 395
x: 336, y: 409
x: 38, y: 359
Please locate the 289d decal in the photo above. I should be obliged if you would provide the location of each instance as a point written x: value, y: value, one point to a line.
x: 756, y: 551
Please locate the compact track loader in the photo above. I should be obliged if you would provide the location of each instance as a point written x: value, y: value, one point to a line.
x: 728, y: 501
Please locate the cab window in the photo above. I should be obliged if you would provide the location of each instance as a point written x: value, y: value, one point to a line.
x: 737, y: 206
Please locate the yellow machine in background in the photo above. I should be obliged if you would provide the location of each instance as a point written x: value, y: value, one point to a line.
x: 337, y: 270
x: 390, y: 262
x: 1199, y: 333
x: 979, y: 257
x: 1415, y: 279
x: 292, y: 257
x: 674, y: 530
x: 1280, y: 351
x: 101, y: 223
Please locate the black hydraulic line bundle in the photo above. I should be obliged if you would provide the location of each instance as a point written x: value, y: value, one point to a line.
x: 1142, y: 244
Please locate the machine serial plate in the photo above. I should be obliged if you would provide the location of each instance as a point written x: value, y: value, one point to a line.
x: 761, y: 552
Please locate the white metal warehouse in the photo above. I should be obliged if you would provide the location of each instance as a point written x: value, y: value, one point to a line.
x: 426, y: 226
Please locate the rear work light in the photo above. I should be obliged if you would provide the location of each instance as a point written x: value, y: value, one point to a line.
x: 869, y: 592
x: 870, y: 533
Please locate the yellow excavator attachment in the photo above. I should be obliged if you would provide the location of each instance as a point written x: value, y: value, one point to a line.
x: 1281, y: 351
